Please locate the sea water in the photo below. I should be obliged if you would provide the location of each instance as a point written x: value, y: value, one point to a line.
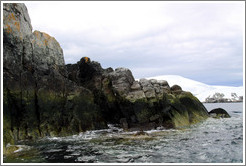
x: 212, y: 141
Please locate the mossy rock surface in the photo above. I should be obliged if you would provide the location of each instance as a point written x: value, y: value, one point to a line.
x: 9, y: 149
x: 184, y: 110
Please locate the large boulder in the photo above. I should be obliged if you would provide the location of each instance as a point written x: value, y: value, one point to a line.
x: 122, y: 80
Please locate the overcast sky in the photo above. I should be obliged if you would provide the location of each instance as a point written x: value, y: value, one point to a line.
x: 202, y: 41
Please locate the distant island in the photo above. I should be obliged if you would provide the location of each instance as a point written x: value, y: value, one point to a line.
x: 219, y: 98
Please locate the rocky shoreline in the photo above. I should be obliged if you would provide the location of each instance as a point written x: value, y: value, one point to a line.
x: 44, y: 97
x: 222, y: 101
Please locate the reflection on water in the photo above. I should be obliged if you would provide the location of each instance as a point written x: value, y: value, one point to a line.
x: 214, y: 140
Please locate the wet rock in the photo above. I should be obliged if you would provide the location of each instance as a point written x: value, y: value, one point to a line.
x: 11, y: 149
x: 141, y: 133
x: 124, y: 123
x: 219, y: 113
x: 154, y: 117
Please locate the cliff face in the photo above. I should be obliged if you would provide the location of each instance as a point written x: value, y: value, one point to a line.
x: 43, y: 97
x: 38, y: 99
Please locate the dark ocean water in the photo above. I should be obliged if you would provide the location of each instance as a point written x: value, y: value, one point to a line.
x: 212, y: 141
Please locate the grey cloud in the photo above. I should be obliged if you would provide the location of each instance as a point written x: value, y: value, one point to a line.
x: 213, y: 59
x: 202, y: 42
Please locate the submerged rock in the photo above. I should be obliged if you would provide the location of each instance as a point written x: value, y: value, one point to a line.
x: 219, y: 113
x: 141, y: 133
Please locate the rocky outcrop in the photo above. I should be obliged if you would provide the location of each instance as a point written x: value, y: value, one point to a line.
x: 44, y: 97
x: 136, y: 105
x: 219, y: 113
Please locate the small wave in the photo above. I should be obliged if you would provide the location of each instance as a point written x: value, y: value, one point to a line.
x: 53, y: 138
x: 68, y: 157
x: 22, y: 148
x: 88, y: 159
x: 76, y: 154
x: 54, y: 150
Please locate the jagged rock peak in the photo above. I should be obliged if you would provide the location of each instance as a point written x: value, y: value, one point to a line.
x: 21, y: 45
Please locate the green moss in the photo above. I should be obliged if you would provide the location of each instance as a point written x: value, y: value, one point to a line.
x: 107, y: 90
x: 189, y: 95
x: 172, y: 99
x: 10, y: 149
x: 197, y: 112
x: 185, y: 110
x: 86, y: 114
x: 71, y: 96
x: 153, y: 100
x: 26, y: 156
x: 8, y: 138
x: 143, y: 115
x: 196, y: 117
x: 180, y: 120
x: 138, y: 100
x: 110, y: 98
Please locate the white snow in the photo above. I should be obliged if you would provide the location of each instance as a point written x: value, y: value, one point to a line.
x: 200, y: 90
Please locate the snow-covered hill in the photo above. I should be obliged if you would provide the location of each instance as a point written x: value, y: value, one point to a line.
x: 200, y: 90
